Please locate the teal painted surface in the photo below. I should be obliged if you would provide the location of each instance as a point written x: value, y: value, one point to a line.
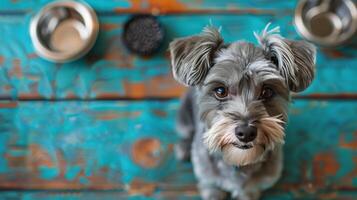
x: 110, y: 70
x: 83, y: 142
x: 33, y: 5
x: 123, y: 149
x: 320, y: 149
x: 112, y: 5
x: 122, y: 145
x: 46, y: 195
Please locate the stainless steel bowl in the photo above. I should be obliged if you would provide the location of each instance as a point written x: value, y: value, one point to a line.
x: 326, y: 22
x: 63, y: 31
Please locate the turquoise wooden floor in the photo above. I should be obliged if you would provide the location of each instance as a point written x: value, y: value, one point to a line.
x: 102, y: 127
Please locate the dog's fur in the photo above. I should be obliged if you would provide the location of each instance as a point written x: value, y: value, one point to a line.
x: 207, y: 125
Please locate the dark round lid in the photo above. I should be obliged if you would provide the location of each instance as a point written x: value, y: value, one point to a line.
x: 143, y: 34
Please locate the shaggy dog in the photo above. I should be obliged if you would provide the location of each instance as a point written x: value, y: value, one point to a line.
x: 231, y: 122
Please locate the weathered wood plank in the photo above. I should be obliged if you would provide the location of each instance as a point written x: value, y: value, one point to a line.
x: 127, y: 146
x: 110, y: 195
x: 111, y: 72
x: 163, y: 7
x: 109, y: 145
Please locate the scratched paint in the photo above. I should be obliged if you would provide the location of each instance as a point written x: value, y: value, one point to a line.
x: 162, y: 6
x: 8, y: 6
x: 155, y: 6
x: 317, y: 145
x: 110, y: 71
x: 83, y: 147
x: 124, y: 149
x: 70, y: 145
x: 45, y: 195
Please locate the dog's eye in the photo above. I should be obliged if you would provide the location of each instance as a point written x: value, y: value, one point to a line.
x: 274, y: 60
x: 267, y: 93
x: 221, y: 92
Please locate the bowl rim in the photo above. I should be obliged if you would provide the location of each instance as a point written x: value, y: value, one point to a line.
x: 90, y: 21
x: 325, y: 41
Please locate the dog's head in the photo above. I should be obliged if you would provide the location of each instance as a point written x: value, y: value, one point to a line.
x: 243, y: 90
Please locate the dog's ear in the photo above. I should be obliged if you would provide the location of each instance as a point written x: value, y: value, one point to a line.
x: 191, y: 57
x: 295, y: 59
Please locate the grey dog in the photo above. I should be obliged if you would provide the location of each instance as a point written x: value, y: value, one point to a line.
x: 231, y: 121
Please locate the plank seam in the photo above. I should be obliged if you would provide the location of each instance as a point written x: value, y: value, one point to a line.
x: 120, y: 12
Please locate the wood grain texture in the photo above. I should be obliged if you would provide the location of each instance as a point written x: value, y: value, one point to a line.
x: 110, y: 195
x: 109, y: 71
x: 158, y: 6
x: 117, y: 145
x: 124, y: 149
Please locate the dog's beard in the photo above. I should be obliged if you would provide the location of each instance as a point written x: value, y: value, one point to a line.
x: 240, y: 157
x: 221, y: 138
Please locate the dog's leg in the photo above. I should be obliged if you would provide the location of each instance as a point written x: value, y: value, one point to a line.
x: 212, y: 193
x: 230, y: 180
x: 266, y: 177
x: 205, y: 169
x: 186, y: 148
x: 185, y: 127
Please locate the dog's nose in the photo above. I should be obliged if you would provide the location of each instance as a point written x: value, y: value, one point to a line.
x: 246, y: 133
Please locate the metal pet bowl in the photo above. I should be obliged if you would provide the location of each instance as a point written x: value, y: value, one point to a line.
x: 63, y: 31
x: 326, y: 22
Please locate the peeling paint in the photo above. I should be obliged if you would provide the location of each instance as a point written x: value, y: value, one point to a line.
x: 147, y: 152
x: 111, y: 69
x: 139, y: 187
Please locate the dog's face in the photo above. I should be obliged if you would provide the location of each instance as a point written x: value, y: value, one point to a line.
x: 243, y: 90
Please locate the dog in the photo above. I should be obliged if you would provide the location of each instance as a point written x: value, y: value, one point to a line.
x: 231, y: 121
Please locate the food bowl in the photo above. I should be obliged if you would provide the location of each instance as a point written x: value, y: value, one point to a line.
x: 63, y: 31
x: 326, y: 22
x: 143, y: 34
